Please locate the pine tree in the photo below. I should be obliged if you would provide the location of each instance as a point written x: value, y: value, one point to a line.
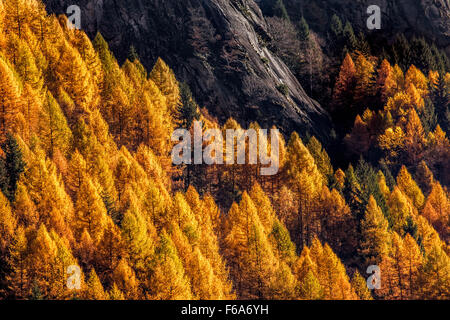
x: 304, y: 178
x: 31, y: 109
x: 281, y: 242
x: 422, y: 56
x: 188, y: 109
x: 303, y: 30
x: 336, y: 35
x: 12, y: 167
x: 353, y: 194
x: 26, y: 66
x: 24, y: 207
x: 110, y: 249
x: 349, y: 36
x: 273, y: 8
x: 263, y: 206
x: 204, y: 283
x: 402, y: 51
x: 382, y: 184
x: 358, y: 141
x: 72, y: 73
x: 441, y: 100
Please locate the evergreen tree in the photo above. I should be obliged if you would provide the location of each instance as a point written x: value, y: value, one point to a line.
x: 349, y: 36
x: 402, y: 52
x: 187, y: 111
x: 132, y: 54
x: 11, y: 167
x: 303, y: 32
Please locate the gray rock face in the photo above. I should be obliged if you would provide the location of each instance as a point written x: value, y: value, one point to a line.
x: 217, y: 47
x: 430, y: 18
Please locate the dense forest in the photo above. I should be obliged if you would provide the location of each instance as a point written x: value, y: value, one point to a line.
x: 86, y: 175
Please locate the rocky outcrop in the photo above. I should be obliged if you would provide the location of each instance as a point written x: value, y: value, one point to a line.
x: 429, y: 18
x: 218, y: 47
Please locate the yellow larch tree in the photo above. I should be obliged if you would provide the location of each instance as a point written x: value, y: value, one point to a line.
x: 9, y: 97
x: 263, y: 206
x: 168, y: 280
x: 385, y: 82
x: 125, y: 279
x: 303, y: 177
x: 410, y: 188
x: 331, y: 273
x: 418, y: 79
x: 46, y: 189
x: 345, y: 84
x: 42, y: 261
x: 24, y: 208
x: 94, y: 288
x: 165, y: 79
x: 359, y: 284
x: 399, y: 210
x: 54, y: 129
x: 437, y: 209
x: 8, y: 223
x: 365, y: 81
x: 90, y: 211
x: 18, y: 278
x: 73, y: 75
x: 139, y: 236
x: 415, y: 140
x: 374, y: 234
x: 434, y: 274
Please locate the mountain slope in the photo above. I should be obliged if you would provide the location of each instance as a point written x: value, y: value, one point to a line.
x: 430, y: 18
x: 218, y: 47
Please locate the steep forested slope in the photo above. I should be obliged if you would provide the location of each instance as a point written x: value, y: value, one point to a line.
x: 218, y: 46
x: 87, y: 182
